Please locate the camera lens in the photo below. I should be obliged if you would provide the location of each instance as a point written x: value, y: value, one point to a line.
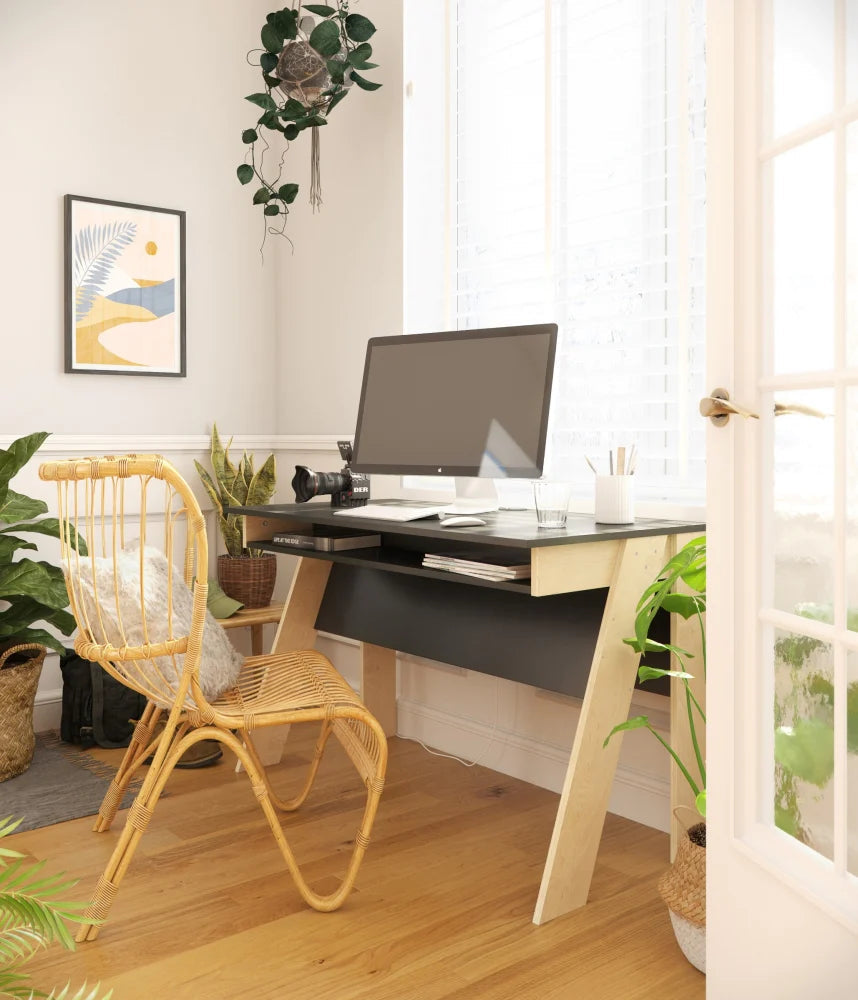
x: 307, y: 483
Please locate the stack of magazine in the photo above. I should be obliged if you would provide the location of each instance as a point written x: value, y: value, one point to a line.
x: 486, y: 566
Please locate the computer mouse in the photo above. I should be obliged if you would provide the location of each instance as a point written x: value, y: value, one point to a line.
x: 461, y: 521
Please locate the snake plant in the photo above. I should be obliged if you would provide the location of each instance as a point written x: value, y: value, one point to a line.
x: 236, y: 486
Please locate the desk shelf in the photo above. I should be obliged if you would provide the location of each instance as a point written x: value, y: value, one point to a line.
x: 390, y: 559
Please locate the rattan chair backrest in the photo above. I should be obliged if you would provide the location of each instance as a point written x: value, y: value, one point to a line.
x: 135, y: 515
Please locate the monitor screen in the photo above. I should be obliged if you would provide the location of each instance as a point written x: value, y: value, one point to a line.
x: 464, y: 403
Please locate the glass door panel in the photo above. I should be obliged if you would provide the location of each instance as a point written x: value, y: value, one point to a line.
x: 803, y: 282
x: 804, y: 740
x: 803, y: 504
x: 803, y: 63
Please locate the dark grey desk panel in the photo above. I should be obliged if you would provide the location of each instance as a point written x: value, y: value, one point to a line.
x: 511, y: 528
x: 547, y: 642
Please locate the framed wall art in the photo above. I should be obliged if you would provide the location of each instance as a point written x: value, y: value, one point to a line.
x: 124, y: 288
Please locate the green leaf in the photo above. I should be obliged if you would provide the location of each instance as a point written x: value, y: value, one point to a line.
x: 638, y: 722
x: 359, y: 28
x: 322, y: 9
x: 10, y: 544
x: 364, y: 84
x: 272, y: 81
x: 22, y: 612
x: 686, y: 605
x: 336, y: 70
x: 261, y: 195
x: 264, y: 101
x: 288, y: 192
x: 653, y: 673
x: 700, y: 802
x: 292, y: 109
x: 263, y: 483
x: 271, y: 38
x: 28, y: 578
x: 249, y: 135
x: 335, y: 100
x: 19, y: 452
x: 286, y: 23
x: 807, y: 750
x: 245, y: 173
x: 325, y: 38
x: 358, y: 56
x: 271, y: 209
x: 291, y: 132
x: 268, y: 62
x: 16, y: 507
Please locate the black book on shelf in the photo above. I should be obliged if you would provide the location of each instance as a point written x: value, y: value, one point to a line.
x: 325, y: 539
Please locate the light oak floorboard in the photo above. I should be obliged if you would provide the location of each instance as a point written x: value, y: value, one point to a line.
x: 442, y: 907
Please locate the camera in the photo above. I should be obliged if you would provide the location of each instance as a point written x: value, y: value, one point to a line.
x: 347, y: 488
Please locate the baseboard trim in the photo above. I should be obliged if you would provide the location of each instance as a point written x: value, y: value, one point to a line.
x: 635, y: 795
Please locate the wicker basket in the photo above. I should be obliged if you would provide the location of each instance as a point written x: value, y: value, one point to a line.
x: 683, y: 888
x: 18, y: 683
x: 248, y: 579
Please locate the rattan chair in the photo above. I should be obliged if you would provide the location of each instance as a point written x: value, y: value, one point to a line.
x: 109, y: 501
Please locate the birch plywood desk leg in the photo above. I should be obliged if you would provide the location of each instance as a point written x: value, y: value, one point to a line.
x: 587, y: 788
x: 297, y: 630
x: 378, y: 684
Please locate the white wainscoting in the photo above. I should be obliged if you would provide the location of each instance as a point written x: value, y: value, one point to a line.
x: 512, y: 728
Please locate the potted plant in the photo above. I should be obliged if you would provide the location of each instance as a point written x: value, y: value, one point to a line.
x: 31, y: 917
x: 683, y: 887
x: 33, y: 592
x: 247, y: 575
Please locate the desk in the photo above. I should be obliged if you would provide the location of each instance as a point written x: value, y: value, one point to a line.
x: 601, y: 570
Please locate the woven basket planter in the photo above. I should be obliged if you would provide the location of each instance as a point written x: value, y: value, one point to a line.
x: 248, y: 579
x: 683, y: 888
x: 19, y: 679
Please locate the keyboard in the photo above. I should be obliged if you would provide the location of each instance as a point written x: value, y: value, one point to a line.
x: 401, y: 511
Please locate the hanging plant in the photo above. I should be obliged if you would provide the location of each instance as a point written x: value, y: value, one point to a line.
x: 309, y: 62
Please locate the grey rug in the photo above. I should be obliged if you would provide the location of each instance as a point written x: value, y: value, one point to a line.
x: 62, y: 783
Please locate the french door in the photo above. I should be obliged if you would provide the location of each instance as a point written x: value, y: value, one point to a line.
x: 782, y: 337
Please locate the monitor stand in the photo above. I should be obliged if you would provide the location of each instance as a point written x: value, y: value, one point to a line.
x: 474, y: 496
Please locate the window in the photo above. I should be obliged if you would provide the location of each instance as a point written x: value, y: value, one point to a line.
x: 554, y: 171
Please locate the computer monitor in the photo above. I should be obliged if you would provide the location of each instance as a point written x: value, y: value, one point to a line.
x: 466, y: 403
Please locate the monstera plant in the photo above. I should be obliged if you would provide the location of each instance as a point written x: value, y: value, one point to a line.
x: 309, y: 61
x: 34, y: 590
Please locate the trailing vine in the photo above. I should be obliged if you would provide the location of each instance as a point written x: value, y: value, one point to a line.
x: 308, y: 64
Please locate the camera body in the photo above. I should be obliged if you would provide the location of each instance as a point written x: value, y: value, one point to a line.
x: 347, y: 488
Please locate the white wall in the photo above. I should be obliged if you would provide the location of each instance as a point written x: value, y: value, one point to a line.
x: 343, y: 282
x: 137, y: 102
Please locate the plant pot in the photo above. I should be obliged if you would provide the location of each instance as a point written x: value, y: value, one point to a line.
x: 248, y: 579
x: 20, y: 667
x: 683, y: 888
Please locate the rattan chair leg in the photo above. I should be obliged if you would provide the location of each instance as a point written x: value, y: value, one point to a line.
x: 290, y: 805
x: 374, y: 786
x: 133, y: 758
x: 136, y: 823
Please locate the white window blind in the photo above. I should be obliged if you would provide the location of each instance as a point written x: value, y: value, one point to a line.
x: 555, y: 171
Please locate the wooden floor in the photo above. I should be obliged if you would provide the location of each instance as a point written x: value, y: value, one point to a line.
x: 442, y: 907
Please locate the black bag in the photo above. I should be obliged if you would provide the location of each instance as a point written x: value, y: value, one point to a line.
x: 97, y: 708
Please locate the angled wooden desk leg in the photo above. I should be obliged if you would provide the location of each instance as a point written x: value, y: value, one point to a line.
x: 297, y: 630
x: 378, y: 684
x: 587, y: 788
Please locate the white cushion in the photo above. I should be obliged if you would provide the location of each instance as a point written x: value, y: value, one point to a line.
x: 220, y: 662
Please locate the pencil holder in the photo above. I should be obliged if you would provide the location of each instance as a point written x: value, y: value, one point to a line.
x: 615, y: 499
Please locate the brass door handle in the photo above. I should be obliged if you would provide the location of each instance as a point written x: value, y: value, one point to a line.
x: 719, y: 409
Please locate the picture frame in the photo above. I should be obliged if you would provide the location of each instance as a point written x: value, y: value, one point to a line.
x: 124, y: 288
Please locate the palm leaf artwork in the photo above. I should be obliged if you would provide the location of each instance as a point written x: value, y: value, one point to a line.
x: 96, y: 249
x: 33, y: 915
